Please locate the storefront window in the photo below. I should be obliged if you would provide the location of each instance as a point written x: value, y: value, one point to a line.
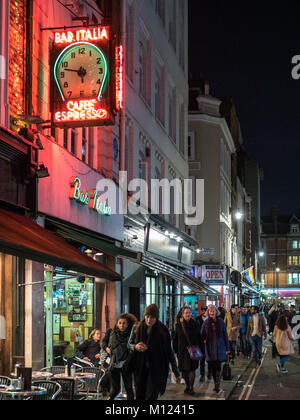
x: 72, y: 314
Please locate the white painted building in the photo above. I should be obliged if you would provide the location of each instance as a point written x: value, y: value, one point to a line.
x: 210, y: 149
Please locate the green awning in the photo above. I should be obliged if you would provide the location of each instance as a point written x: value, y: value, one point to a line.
x: 93, y: 242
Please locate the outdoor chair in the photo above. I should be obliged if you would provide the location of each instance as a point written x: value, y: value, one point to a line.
x: 67, y: 389
x: 53, y: 390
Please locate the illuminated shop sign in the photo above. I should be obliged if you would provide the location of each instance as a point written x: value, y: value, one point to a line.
x: 87, y: 77
x: 92, y: 199
x: 214, y: 275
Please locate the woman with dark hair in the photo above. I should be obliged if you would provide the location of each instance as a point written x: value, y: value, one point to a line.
x: 217, y: 347
x: 187, y: 334
x: 120, y: 354
x: 153, y: 354
x: 282, y: 336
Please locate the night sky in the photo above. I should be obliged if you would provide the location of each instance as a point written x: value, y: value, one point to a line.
x: 245, y: 50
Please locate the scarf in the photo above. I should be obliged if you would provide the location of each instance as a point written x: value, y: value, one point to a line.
x: 214, y: 326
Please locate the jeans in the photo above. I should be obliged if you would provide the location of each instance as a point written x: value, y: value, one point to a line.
x: 283, y: 360
x: 232, y: 349
x: 246, y: 347
x: 257, y: 343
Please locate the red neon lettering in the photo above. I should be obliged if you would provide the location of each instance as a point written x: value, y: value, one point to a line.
x: 119, y: 78
x: 84, y: 110
x: 82, y: 35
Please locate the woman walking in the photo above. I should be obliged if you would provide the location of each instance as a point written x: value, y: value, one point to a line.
x: 282, y: 336
x: 153, y: 354
x: 120, y: 354
x: 217, y: 347
x: 187, y: 334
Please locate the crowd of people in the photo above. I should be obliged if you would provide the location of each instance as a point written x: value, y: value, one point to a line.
x: 141, y: 353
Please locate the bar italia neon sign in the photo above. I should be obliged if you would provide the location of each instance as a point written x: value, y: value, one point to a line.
x: 87, y: 77
x: 93, y: 199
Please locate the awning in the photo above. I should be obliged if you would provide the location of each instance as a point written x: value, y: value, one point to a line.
x: 92, y: 241
x: 177, y: 274
x: 247, y: 286
x: 22, y: 237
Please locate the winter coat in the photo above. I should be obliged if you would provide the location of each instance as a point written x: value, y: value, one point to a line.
x: 233, y: 321
x: 90, y: 349
x: 156, y: 360
x: 272, y: 320
x: 245, y: 320
x: 118, y: 343
x: 215, y: 337
x: 261, y: 326
x: 181, y: 344
x: 283, y: 340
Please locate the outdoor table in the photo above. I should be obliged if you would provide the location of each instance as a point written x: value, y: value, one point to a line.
x: 18, y: 394
x: 36, y: 376
x: 79, y: 377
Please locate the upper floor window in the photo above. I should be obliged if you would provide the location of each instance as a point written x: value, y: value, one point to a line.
x: 294, y: 228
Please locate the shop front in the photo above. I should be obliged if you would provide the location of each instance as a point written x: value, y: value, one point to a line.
x: 73, y: 208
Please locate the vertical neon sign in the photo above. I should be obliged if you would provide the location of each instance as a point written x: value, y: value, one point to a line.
x: 119, y: 77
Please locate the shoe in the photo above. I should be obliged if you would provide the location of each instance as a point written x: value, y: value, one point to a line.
x: 278, y: 367
x: 191, y: 392
x: 284, y: 371
x: 217, y: 388
x: 232, y: 362
x: 186, y: 391
x: 202, y: 380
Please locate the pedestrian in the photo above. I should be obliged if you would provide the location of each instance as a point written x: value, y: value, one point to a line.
x: 120, y: 355
x: 222, y: 312
x: 282, y: 336
x: 256, y: 330
x: 90, y: 349
x: 245, y: 345
x: 233, y: 323
x: 273, y: 316
x: 153, y: 353
x: 288, y: 314
x: 200, y: 319
x: 187, y: 333
x: 217, y: 347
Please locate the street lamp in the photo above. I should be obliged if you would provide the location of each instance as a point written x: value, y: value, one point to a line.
x: 239, y: 215
x: 261, y: 254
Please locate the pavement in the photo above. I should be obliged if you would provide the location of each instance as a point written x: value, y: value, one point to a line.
x: 205, y: 391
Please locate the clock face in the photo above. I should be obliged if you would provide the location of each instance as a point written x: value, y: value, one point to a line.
x: 81, y: 71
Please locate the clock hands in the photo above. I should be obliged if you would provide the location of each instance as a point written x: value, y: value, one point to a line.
x: 81, y: 72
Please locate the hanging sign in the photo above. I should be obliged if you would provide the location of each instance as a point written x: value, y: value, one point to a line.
x: 86, y: 86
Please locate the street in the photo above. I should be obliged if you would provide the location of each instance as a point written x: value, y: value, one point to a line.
x: 248, y: 383
x: 266, y: 383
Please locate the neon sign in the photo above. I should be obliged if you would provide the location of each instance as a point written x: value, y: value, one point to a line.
x: 82, y: 35
x: 86, y: 78
x: 81, y: 111
x: 93, y: 199
x: 119, y: 77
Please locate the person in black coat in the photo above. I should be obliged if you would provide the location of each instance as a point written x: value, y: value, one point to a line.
x: 90, y: 348
x: 187, y: 333
x: 153, y: 354
x: 118, y: 349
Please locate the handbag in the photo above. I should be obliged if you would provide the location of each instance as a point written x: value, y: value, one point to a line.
x: 194, y: 351
x: 226, y: 373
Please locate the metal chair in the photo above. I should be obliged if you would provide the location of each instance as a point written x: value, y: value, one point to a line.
x: 53, y: 390
x: 91, y: 388
x: 67, y: 389
x: 54, y: 369
x: 4, y: 380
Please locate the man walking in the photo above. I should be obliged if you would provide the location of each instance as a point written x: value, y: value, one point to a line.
x: 245, y: 316
x: 256, y: 330
x: 200, y: 320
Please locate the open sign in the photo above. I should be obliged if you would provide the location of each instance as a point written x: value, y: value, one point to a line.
x: 214, y: 275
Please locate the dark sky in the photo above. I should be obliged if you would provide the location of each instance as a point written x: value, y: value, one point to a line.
x: 245, y: 50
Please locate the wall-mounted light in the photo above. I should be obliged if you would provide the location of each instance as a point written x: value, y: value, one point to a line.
x: 239, y: 215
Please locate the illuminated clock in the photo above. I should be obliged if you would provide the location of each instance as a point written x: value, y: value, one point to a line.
x: 81, y: 71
